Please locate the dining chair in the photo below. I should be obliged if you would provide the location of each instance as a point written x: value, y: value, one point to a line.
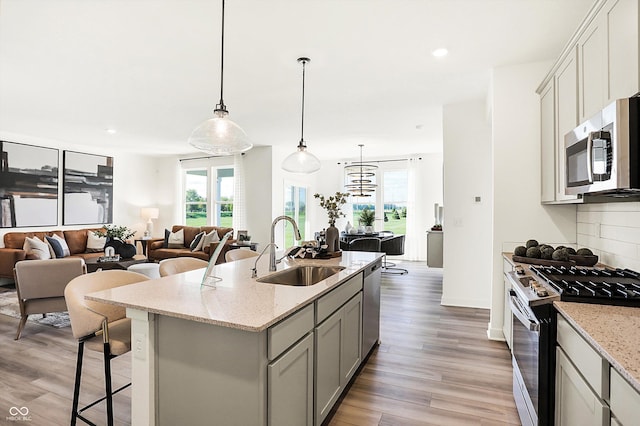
x: 392, y: 246
x: 365, y: 244
x: 177, y: 265
x: 238, y: 254
x: 40, y: 285
x: 100, y: 327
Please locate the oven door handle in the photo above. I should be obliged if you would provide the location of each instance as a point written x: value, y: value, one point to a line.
x: 519, y: 312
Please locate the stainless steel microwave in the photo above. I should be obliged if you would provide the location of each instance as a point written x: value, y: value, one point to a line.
x: 603, y: 154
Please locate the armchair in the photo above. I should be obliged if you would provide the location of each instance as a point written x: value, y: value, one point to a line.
x: 40, y: 285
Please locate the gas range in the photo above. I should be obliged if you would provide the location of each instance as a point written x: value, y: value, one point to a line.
x: 591, y: 285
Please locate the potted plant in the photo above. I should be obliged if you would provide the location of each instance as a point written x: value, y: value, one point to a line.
x: 367, y: 217
x: 116, y: 238
x: 333, y: 205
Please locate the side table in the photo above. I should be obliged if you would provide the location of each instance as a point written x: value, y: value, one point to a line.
x: 143, y: 243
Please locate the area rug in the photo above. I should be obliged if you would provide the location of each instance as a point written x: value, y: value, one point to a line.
x: 9, y: 306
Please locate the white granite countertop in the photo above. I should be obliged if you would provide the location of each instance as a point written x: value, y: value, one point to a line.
x: 612, y: 331
x: 237, y: 301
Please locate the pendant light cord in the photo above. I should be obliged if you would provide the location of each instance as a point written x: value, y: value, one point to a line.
x: 221, y: 106
x: 304, y: 63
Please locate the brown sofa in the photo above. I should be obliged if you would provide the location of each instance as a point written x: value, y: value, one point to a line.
x: 12, y: 251
x: 156, y: 250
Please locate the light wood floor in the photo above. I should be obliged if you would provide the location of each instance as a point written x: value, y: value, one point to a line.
x: 434, y: 366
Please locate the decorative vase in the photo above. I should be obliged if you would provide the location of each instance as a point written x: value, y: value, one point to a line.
x: 332, y: 240
x: 125, y: 250
x: 368, y: 229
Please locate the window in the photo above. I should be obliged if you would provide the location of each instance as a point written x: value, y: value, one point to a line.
x: 295, y: 206
x: 224, y: 198
x: 390, y: 198
x: 396, y: 184
x: 195, y: 184
x: 198, y: 192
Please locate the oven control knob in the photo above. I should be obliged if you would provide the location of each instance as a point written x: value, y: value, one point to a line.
x: 541, y: 292
x: 519, y: 270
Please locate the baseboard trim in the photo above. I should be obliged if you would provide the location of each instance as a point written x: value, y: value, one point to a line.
x: 495, y: 333
x: 465, y: 303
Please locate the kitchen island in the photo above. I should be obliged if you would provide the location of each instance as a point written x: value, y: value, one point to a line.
x: 244, y: 352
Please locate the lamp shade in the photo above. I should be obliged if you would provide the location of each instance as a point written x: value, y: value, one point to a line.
x: 149, y: 213
x: 220, y: 136
x: 301, y: 161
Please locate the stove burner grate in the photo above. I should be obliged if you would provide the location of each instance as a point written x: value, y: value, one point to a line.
x: 592, y: 285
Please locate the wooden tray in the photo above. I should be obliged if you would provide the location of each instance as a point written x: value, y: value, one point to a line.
x: 584, y: 260
x: 328, y: 255
x: 544, y: 262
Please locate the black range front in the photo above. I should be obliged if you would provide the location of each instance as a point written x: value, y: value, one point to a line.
x: 533, y: 327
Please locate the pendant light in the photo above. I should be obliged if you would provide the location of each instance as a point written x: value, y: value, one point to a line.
x: 361, y: 176
x: 302, y: 161
x: 219, y: 135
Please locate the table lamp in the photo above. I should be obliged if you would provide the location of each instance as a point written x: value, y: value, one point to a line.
x: 149, y: 213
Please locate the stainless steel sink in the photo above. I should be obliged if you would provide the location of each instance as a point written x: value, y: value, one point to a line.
x: 301, y: 275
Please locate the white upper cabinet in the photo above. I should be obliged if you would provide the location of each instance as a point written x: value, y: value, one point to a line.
x: 600, y: 64
x: 623, y: 76
x: 548, y: 143
x: 591, y: 60
x: 566, y: 117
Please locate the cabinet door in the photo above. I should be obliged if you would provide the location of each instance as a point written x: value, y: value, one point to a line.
x: 548, y: 143
x: 576, y: 403
x: 290, y: 393
x: 328, y: 338
x: 566, y: 116
x: 351, y: 338
x: 592, y: 60
x: 622, y: 22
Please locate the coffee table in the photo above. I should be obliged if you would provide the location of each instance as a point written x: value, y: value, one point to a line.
x: 93, y: 265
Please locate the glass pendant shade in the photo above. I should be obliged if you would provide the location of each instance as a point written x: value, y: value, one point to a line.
x: 301, y: 161
x: 220, y: 136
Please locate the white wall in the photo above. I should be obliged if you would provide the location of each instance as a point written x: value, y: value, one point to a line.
x: 517, y: 212
x: 136, y: 183
x: 467, y: 223
x: 611, y: 231
x: 259, y: 192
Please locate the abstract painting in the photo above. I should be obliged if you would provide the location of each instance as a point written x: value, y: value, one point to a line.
x: 88, y: 189
x: 28, y: 185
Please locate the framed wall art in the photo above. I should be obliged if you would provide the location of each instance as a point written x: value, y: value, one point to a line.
x: 28, y: 185
x: 88, y: 189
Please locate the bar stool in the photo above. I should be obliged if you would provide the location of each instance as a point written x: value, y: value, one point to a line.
x: 178, y: 265
x: 102, y: 327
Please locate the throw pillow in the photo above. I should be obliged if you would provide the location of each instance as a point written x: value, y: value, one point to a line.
x: 196, y: 244
x: 176, y: 239
x: 95, y: 244
x: 55, y: 245
x: 63, y: 243
x: 36, y: 248
x: 211, y: 237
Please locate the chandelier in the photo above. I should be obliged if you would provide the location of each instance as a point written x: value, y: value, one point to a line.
x: 361, y: 177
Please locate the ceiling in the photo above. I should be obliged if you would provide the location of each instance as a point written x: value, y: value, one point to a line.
x: 150, y: 69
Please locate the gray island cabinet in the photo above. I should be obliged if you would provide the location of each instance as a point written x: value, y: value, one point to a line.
x: 243, y: 353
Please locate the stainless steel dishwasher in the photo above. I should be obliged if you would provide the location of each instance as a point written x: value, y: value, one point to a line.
x: 371, y: 307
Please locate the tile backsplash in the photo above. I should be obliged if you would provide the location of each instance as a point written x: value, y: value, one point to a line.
x: 612, y: 231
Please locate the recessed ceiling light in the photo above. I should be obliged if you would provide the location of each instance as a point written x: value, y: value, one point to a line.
x: 111, y: 131
x: 438, y: 53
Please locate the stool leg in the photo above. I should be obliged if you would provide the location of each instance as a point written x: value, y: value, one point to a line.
x: 107, y: 382
x: 76, y: 387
